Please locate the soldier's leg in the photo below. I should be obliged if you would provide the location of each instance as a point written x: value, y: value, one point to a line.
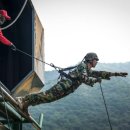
x: 62, y: 88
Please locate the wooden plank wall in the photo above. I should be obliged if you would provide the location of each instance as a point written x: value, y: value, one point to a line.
x: 34, y: 82
x: 39, y: 67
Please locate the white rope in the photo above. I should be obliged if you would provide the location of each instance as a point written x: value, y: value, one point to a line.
x: 16, y: 17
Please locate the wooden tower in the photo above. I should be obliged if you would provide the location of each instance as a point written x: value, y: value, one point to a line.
x: 20, y: 72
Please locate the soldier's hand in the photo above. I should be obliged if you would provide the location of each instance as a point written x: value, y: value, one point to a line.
x: 123, y: 74
x: 99, y: 79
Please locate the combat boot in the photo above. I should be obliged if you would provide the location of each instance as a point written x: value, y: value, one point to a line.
x: 33, y: 99
x: 22, y: 104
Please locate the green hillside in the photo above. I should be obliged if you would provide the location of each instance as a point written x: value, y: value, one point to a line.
x: 84, y: 109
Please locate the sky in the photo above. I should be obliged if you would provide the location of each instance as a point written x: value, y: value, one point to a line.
x: 72, y: 28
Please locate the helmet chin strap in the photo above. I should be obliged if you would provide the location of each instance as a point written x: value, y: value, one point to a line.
x: 89, y: 65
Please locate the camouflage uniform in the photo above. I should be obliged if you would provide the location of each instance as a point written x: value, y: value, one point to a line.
x: 66, y: 86
x: 81, y: 74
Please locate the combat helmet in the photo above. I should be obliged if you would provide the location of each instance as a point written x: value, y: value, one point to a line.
x: 91, y: 56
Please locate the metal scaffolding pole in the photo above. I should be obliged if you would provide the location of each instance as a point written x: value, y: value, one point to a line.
x: 16, y: 116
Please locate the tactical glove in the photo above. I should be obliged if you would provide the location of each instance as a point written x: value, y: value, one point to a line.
x: 92, y: 81
x: 122, y: 74
x: 99, y: 79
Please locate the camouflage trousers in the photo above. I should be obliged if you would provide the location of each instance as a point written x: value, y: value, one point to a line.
x: 60, y: 90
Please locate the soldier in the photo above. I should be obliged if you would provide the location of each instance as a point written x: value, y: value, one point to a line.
x: 3, y: 17
x: 82, y: 73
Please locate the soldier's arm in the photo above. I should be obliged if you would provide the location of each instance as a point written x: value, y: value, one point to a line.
x: 107, y: 75
x: 85, y: 78
x: 90, y: 80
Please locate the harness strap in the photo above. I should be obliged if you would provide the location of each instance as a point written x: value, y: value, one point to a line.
x: 62, y: 73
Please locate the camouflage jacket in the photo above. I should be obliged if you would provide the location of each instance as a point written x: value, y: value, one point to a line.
x: 88, y: 76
